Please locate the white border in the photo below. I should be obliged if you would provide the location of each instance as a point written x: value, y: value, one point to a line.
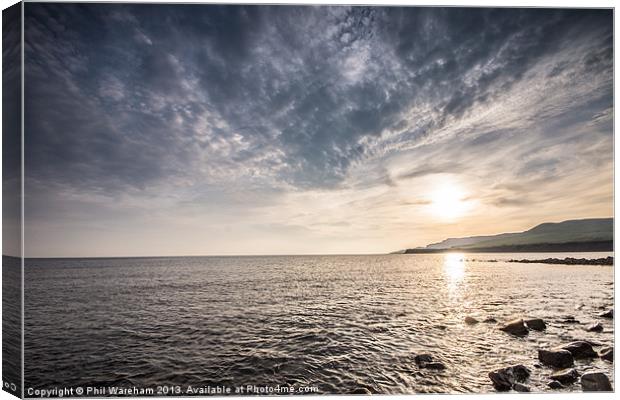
x: 478, y: 3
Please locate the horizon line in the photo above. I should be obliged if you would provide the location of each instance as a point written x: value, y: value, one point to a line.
x: 207, y: 255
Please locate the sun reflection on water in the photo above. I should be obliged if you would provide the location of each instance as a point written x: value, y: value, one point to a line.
x: 454, y: 270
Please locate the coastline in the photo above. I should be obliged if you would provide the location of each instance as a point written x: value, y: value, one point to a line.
x: 571, y: 247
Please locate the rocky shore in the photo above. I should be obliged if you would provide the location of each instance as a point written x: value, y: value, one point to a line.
x: 560, y: 360
x: 569, y: 261
x: 563, y: 372
x: 562, y: 261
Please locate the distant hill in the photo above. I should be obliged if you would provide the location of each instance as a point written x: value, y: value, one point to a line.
x: 594, y: 234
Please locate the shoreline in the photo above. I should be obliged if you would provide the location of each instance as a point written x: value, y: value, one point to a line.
x: 568, y: 261
x: 560, y: 261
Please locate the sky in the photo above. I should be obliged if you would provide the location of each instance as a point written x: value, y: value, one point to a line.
x: 220, y: 130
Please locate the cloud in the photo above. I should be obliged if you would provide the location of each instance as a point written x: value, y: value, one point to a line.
x: 128, y: 103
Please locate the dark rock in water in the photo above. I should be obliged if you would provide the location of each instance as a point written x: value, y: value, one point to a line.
x: 423, y: 359
x: 536, y: 324
x: 515, y: 327
x: 558, y: 358
x: 434, y: 365
x: 520, y: 372
x: 519, y: 387
x: 427, y: 361
x: 596, y: 327
x: 489, y: 320
x: 536, y: 365
x: 607, y: 354
x: 580, y: 349
x: 569, y: 319
x: 595, y: 382
x: 555, y: 385
x: 501, y: 381
x: 607, y: 314
x: 565, y: 376
x: 470, y: 320
x: 506, y: 378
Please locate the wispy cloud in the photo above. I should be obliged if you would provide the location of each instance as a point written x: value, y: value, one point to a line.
x: 325, y: 124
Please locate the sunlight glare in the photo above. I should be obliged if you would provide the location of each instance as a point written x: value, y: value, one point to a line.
x: 454, y: 267
x: 448, y: 202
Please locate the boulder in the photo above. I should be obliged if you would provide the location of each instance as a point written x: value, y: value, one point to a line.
x: 515, y: 327
x: 519, y: 387
x: 557, y: 358
x: 595, y: 382
x: 580, y: 349
x: 607, y: 314
x: 607, y: 354
x: 470, y: 320
x: 501, y: 380
x: 520, y: 372
x: 536, y: 324
x: 565, y: 376
x: 555, y: 385
x: 427, y: 361
x: 505, y: 378
x: 423, y: 359
x: 596, y: 327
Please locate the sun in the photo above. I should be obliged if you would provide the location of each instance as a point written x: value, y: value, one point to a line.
x: 448, y: 201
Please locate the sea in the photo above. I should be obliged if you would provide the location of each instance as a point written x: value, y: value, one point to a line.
x: 302, y: 324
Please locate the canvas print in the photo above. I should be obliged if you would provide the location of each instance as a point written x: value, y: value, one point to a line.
x: 226, y: 200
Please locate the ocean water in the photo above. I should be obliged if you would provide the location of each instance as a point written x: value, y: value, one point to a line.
x: 329, y: 324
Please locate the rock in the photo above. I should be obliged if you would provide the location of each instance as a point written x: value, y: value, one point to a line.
x: 580, y: 349
x: 569, y: 319
x: 519, y: 387
x: 536, y: 324
x: 607, y: 314
x: 595, y: 382
x: 596, y: 327
x: 427, y: 361
x: 515, y: 327
x: 470, y: 320
x: 520, y: 372
x: 565, y: 376
x: 580, y: 306
x: 489, y: 320
x: 434, y: 365
x: 555, y: 385
x: 558, y: 358
x: 607, y: 354
x: 505, y: 378
x: 537, y: 365
x: 423, y: 359
x: 501, y: 381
